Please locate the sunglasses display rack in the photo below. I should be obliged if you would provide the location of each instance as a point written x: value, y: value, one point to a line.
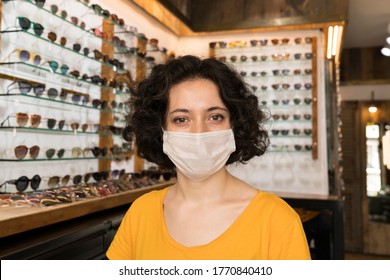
x: 64, y: 86
x: 282, y: 73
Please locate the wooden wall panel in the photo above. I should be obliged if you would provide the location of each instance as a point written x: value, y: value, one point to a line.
x: 351, y: 177
x: 364, y: 65
x: 217, y: 15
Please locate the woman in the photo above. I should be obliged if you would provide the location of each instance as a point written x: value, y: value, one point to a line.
x: 199, y: 116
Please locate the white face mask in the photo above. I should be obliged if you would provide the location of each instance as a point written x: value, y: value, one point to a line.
x: 199, y: 155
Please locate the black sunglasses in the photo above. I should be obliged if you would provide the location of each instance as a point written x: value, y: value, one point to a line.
x: 26, y: 24
x: 22, y: 183
x: 100, y: 11
x: 25, y: 87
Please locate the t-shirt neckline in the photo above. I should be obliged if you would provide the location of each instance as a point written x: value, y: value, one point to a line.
x: 213, y: 242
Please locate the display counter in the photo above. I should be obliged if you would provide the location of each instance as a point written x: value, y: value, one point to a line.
x: 15, y: 220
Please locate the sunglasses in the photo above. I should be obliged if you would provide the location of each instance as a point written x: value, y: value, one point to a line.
x: 75, y: 21
x: 296, y: 131
x: 115, y: 62
x: 95, y: 79
x: 21, y: 151
x: 99, y: 56
x: 40, y: 3
x: 25, y: 56
x: 75, y: 73
x: 22, y: 182
x: 99, y: 33
x: 26, y: 24
x: 77, y: 97
x: 55, y: 181
x: 51, y: 123
x: 25, y: 87
x: 115, y: 174
x: 51, y: 152
x: 54, y: 10
x: 23, y: 118
x: 98, y: 176
x: 77, y: 152
x: 117, y: 20
x: 54, y: 67
x: 116, y: 105
x: 100, y: 11
x: 96, y: 151
x: 97, y: 103
x: 53, y: 37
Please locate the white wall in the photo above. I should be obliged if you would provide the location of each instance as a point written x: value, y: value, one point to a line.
x: 363, y: 92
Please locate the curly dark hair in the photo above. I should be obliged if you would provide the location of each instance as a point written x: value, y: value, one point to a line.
x: 147, y: 108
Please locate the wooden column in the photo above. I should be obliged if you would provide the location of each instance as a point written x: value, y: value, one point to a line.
x: 314, y: 99
x: 106, y: 117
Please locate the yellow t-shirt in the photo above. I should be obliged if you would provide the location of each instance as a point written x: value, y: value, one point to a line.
x: 267, y: 229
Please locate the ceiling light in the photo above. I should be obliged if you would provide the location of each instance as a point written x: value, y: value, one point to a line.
x: 388, y: 40
x: 334, y: 41
x: 386, y: 50
x: 372, y: 108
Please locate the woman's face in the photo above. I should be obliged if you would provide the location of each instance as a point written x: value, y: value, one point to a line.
x: 195, y: 106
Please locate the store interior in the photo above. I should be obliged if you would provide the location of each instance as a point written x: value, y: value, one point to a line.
x: 67, y: 69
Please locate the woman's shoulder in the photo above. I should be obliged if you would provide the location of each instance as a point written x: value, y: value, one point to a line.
x: 273, y: 205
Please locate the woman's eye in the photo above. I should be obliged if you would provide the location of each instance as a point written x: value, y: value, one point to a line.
x: 217, y: 117
x: 179, y: 120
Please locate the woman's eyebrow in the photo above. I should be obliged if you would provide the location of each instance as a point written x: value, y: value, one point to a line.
x: 216, y: 108
x: 179, y: 111
x: 182, y: 110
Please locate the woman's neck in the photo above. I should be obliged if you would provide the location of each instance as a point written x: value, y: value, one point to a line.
x: 216, y: 187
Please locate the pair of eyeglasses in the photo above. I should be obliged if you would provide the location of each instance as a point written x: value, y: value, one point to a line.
x: 52, y: 36
x: 100, y: 56
x: 97, y: 103
x: 51, y: 152
x: 117, y: 20
x: 100, y: 34
x: 95, y: 79
x: 283, y: 116
x: 25, y: 56
x: 51, y: 123
x: 76, y: 98
x: 283, y: 41
x: 75, y: 21
x: 221, y: 44
x: 116, y: 173
x: 22, y: 183
x: 306, y: 100
x: 23, y: 118
x: 117, y: 105
x: 77, y: 152
x: 75, y: 126
x: 115, y: 62
x: 100, y: 11
x: 98, y: 176
x: 25, y: 87
x: 296, y: 131
x: 96, y: 151
x: 54, y: 67
x: 54, y: 9
x: 26, y: 24
x: 21, y: 151
x: 284, y: 132
x: 118, y: 42
x: 56, y: 181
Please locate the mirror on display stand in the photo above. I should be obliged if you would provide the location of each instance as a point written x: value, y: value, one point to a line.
x: 377, y: 136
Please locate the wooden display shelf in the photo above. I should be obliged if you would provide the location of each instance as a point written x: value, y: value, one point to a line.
x: 15, y: 220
